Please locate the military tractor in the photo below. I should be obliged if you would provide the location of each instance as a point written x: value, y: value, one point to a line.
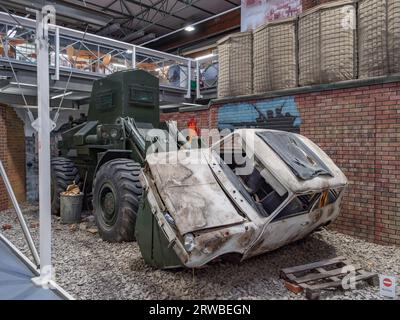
x: 104, y: 155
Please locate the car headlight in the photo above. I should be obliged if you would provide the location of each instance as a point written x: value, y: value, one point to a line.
x: 105, y: 135
x: 114, y: 133
x: 189, y: 242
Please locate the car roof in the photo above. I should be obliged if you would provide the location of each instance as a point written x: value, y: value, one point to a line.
x: 282, y: 171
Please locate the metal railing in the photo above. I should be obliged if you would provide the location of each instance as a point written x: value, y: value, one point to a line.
x: 91, y: 54
x: 206, y: 74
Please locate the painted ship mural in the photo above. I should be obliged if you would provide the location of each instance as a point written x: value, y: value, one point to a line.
x: 278, y: 114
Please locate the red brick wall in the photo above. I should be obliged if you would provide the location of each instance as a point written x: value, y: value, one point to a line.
x: 360, y: 129
x: 3, y: 139
x: 12, y: 154
x: 203, y: 118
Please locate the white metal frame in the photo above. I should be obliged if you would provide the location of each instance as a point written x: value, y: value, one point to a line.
x: 116, y: 47
x: 43, y: 125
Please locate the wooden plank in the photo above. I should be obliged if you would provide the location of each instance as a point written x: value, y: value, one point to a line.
x: 313, y: 265
x: 292, y: 277
x: 373, y: 280
x: 293, y: 287
x: 335, y: 284
x: 323, y: 271
x: 313, y: 294
x: 318, y: 276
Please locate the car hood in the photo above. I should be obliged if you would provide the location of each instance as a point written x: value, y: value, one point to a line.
x: 190, y: 191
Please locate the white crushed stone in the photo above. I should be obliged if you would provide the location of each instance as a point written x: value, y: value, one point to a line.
x: 89, y: 268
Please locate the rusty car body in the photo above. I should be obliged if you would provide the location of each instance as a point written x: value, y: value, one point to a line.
x: 252, y: 192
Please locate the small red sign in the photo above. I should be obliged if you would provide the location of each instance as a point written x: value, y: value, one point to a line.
x: 387, y: 282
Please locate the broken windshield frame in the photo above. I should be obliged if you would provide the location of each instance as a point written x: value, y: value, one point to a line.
x: 266, y: 196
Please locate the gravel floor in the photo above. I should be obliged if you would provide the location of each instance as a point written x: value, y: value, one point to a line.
x: 89, y: 268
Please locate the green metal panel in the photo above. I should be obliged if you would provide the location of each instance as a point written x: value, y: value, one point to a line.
x: 129, y: 93
x: 152, y: 241
x: 79, y: 137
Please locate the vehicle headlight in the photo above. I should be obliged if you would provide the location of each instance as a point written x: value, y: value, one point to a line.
x: 114, y: 133
x: 189, y: 242
x: 104, y: 135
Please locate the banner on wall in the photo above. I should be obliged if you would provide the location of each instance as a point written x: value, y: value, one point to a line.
x: 255, y: 13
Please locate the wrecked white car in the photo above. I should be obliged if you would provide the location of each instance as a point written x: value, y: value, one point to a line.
x: 252, y: 192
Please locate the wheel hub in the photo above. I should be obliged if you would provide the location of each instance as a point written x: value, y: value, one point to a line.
x: 108, y: 205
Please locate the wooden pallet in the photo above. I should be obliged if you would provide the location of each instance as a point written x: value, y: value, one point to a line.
x: 323, y: 275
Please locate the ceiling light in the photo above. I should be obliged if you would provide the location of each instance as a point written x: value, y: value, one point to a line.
x: 205, y: 56
x: 189, y: 28
x: 61, y: 95
x: 119, y: 65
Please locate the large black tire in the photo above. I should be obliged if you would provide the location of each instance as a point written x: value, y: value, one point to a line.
x: 116, y: 196
x: 63, y: 173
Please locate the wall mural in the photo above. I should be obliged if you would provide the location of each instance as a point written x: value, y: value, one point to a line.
x: 278, y: 113
x: 255, y: 13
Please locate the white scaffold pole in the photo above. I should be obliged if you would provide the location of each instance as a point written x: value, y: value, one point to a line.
x: 43, y: 125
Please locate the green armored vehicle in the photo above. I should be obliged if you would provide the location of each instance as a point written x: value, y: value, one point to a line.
x: 105, y: 153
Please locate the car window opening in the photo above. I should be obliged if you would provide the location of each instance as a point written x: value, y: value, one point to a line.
x: 258, y: 189
x: 253, y: 186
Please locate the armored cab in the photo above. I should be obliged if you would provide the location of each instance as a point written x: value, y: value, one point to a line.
x: 105, y: 153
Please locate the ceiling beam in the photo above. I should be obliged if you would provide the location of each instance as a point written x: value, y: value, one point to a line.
x: 199, y: 8
x: 227, y: 22
x: 145, y: 38
x: 198, y: 23
x: 172, y: 12
x: 111, y: 28
x: 121, y: 15
x: 142, y: 13
x: 99, y: 19
x: 230, y: 2
x: 154, y: 7
x: 109, y: 5
x: 133, y: 36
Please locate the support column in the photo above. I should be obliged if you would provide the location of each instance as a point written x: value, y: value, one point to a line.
x: 43, y: 125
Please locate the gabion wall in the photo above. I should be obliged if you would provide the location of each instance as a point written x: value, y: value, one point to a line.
x: 379, y: 33
x: 274, y: 52
x: 235, y: 65
x: 335, y: 41
x: 327, y: 51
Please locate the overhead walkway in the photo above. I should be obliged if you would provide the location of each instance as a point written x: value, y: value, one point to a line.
x: 78, y: 58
